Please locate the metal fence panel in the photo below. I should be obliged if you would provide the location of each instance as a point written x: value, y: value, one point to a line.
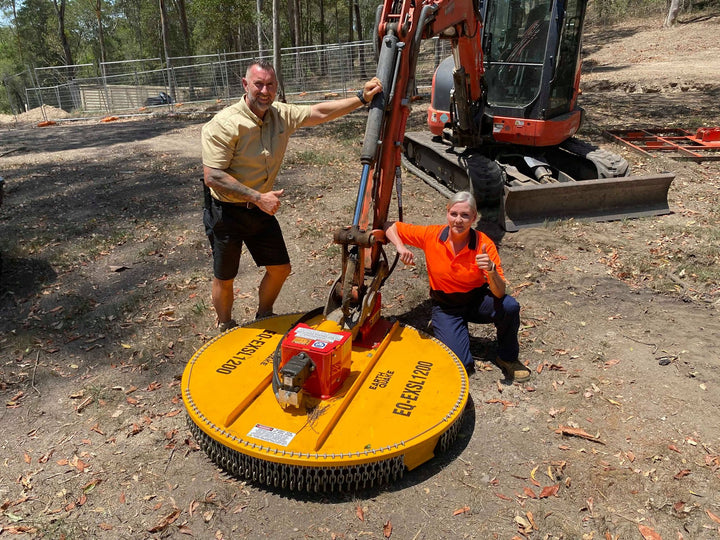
x: 310, y: 74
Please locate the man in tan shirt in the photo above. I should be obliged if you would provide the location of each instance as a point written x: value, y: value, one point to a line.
x: 242, y: 149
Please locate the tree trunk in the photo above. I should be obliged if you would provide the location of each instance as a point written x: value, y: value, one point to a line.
x: 323, y: 54
x: 184, y: 27
x: 361, y: 50
x: 672, y: 14
x: 165, y: 31
x: 296, y: 23
x: 350, y: 20
x: 277, y: 60
x: 337, y: 24
x: 294, y: 38
x: 17, y: 32
x: 60, y: 10
x: 258, y: 26
x: 322, y: 22
x: 101, y: 34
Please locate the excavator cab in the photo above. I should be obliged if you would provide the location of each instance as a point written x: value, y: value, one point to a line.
x: 532, y: 65
x: 532, y: 72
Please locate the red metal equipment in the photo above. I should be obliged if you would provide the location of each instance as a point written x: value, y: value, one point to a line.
x: 680, y: 144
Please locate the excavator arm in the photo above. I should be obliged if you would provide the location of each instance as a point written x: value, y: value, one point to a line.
x: 354, y: 300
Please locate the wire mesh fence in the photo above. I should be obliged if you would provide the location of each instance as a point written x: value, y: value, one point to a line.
x: 309, y: 74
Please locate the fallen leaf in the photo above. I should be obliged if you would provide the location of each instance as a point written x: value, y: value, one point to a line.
x: 87, y: 488
x: 45, y: 457
x: 554, y: 412
x: 387, y: 529
x: 524, y: 524
x: 549, y: 491
x: 674, y: 448
x: 648, y: 533
x: 505, y: 403
x: 532, y: 477
x: 681, y: 474
x: 463, y: 510
x: 577, y: 432
x: 360, y: 513
x: 712, y: 516
x: 590, y: 503
x: 165, y: 522
x: 529, y: 492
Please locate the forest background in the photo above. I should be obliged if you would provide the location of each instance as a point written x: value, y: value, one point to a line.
x: 42, y: 33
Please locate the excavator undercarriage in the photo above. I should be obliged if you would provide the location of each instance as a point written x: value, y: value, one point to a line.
x: 527, y: 187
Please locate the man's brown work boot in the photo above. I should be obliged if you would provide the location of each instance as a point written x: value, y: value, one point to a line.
x: 514, y: 370
x: 225, y: 326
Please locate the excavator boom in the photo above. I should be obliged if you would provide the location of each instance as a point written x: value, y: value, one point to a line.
x: 354, y: 297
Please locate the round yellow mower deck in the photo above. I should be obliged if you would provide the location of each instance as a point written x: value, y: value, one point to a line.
x: 401, y: 402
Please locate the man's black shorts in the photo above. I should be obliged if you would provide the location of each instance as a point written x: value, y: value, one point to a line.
x: 228, y: 227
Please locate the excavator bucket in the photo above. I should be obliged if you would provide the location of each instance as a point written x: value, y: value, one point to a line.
x: 602, y: 199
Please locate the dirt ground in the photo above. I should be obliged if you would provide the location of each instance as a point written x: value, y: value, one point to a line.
x: 104, y: 297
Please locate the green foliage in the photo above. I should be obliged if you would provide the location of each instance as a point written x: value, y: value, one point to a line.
x: 223, y: 25
x: 36, y: 28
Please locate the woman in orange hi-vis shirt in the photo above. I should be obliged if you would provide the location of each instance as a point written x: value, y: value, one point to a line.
x: 467, y: 283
